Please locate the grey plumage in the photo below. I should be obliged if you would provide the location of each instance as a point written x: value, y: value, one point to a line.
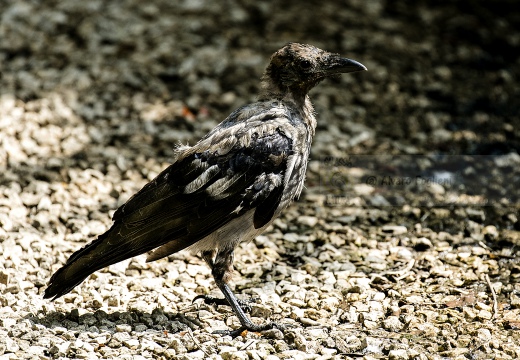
x: 225, y: 189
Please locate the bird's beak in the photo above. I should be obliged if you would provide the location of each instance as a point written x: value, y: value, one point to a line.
x: 338, y: 65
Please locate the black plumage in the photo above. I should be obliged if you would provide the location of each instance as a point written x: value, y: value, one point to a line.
x: 225, y: 189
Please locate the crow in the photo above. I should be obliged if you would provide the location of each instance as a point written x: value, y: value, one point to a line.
x: 227, y: 188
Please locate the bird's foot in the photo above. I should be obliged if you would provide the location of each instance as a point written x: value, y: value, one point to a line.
x: 210, y: 300
x: 252, y: 328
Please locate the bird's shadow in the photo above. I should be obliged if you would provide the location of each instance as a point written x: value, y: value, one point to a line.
x: 101, y: 321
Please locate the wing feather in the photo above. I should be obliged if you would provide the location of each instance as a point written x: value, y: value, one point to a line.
x: 201, y: 192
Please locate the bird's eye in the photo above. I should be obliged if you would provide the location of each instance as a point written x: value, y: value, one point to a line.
x: 305, y: 64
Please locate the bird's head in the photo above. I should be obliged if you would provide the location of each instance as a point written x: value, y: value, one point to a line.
x: 297, y: 68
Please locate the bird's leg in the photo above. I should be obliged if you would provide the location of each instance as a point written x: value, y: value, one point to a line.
x: 222, y: 270
x: 208, y: 257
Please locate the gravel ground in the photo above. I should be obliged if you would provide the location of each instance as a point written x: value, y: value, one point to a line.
x: 404, y: 245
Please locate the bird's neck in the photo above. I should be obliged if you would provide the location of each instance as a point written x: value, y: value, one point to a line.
x: 298, y: 99
x: 270, y: 90
x: 308, y: 113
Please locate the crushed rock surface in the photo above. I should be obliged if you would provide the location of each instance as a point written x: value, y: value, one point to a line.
x: 404, y: 245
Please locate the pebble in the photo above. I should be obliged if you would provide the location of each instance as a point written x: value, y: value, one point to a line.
x: 393, y: 324
x: 123, y: 328
x: 178, y: 346
x: 309, y: 221
x: 328, y: 352
x: 291, y: 237
x: 405, y: 254
x: 309, y: 322
x: 394, y: 229
x: 348, y: 343
x: 436, y: 189
x: 481, y: 306
x: 490, y: 232
x: 484, y: 315
x: 273, y: 334
x: 511, y: 159
x: 484, y: 335
x: 421, y: 244
x: 476, y: 215
x: 4, y: 277
x: 131, y: 343
x: 398, y: 354
x: 234, y: 355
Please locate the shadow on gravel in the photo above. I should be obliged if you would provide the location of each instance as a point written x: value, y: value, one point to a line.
x: 117, y: 321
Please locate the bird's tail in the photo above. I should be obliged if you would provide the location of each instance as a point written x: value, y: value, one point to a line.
x: 109, y: 248
x: 80, y: 265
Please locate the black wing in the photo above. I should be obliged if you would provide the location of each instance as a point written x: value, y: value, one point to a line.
x: 186, y: 202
